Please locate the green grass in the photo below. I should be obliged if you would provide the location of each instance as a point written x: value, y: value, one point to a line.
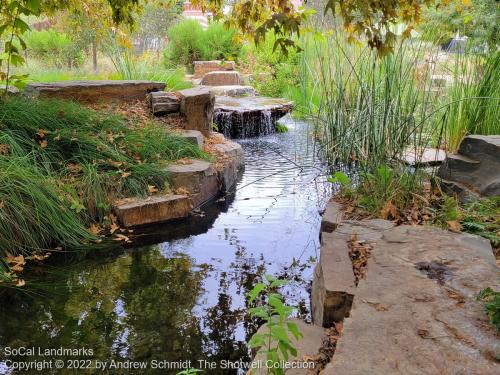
x: 63, y: 165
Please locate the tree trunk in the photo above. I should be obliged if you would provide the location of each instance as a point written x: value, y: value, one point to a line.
x: 94, y: 55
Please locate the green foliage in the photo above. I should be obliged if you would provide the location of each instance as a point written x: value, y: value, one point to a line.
x: 54, y: 48
x: 346, y: 186
x: 478, y: 20
x: 471, y: 103
x: 281, y: 128
x: 87, y: 159
x: 482, y: 217
x: 491, y: 301
x: 188, y: 42
x: 275, y: 343
x: 190, y: 371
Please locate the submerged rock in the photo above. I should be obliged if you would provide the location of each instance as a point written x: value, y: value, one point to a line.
x: 249, y: 116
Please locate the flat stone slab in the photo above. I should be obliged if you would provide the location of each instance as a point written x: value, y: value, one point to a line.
x: 332, y: 217
x: 197, y: 105
x: 222, y: 78
x: 198, y: 177
x: 307, y: 347
x: 95, y: 91
x: 416, y: 311
x: 155, y: 209
x: 425, y: 156
x: 193, y: 136
x: 203, y: 67
x: 233, y: 91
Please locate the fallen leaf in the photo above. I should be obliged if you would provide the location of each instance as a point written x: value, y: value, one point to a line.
x: 152, y: 189
x: 126, y: 174
x: 454, y: 226
x: 19, y: 283
x: 389, y: 211
x: 121, y: 237
x: 113, y: 228
x: 95, y: 229
x: 43, y: 143
x: 41, y: 133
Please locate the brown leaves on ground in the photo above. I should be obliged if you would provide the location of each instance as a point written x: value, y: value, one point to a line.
x: 454, y: 226
x: 389, y: 211
x: 152, y: 189
x: 4, y: 149
x: 327, y: 349
x: 184, y: 161
x: 16, y: 265
x: 359, y: 252
x: 182, y: 191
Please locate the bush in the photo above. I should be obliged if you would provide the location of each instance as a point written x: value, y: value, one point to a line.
x: 188, y: 42
x: 54, y: 48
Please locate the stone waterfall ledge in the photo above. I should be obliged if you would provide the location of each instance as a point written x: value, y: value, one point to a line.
x: 416, y: 310
x: 249, y: 116
x: 233, y: 90
x: 95, y: 91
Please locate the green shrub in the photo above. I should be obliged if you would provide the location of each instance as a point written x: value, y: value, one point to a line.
x: 184, y: 44
x: 55, y: 48
x: 491, y: 301
x: 188, y: 42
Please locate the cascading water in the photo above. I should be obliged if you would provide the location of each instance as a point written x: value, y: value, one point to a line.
x: 248, y: 117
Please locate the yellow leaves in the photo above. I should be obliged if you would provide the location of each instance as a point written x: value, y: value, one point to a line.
x: 389, y: 211
x: 125, y: 174
x: 113, y: 228
x: 466, y: 3
x: 4, y: 149
x: 95, y: 229
x: 16, y: 263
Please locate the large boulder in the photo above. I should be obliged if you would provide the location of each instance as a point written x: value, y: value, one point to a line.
x: 95, y: 91
x: 222, y: 78
x: 203, y: 67
x: 197, y: 105
x: 475, y: 170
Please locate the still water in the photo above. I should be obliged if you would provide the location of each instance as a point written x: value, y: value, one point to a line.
x: 181, y: 295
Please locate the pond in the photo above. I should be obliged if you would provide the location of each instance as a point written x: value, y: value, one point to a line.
x: 183, y: 298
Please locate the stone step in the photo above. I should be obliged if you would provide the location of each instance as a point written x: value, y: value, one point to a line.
x: 481, y: 147
x: 193, y: 136
x: 95, y: 91
x: 164, y: 102
x: 234, y: 90
x: 332, y: 217
x: 462, y: 192
x: 424, y: 156
x: 307, y: 347
x: 155, y: 209
x: 198, y: 177
x: 222, y: 78
x: 203, y: 67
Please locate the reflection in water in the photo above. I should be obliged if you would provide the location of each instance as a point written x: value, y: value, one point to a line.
x: 184, y: 299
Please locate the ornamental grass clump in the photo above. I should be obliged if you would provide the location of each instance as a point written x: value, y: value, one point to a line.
x: 63, y: 165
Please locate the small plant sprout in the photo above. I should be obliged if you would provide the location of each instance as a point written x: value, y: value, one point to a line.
x: 275, y: 343
x: 344, y: 181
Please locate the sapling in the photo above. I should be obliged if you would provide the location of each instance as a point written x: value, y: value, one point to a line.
x: 274, y: 343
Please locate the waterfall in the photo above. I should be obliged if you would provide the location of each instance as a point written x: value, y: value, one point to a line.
x: 248, y: 117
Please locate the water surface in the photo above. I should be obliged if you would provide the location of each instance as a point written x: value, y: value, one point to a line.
x: 184, y: 297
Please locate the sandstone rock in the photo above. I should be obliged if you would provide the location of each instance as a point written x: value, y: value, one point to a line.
x: 153, y: 209
x: 475, y: 170
x: 234, y: 91
x: 197, y: 105
x: 222, y: 78
x: 95, y: 91
x: 235, y: 161
x: 199, y: 178
x: 164, y: 102
x: 334, y: 284
x: 307, y: 347
x: 416, y: 311
x: 332, y: 217
x: 203, y: 67
x: 193, y: 136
